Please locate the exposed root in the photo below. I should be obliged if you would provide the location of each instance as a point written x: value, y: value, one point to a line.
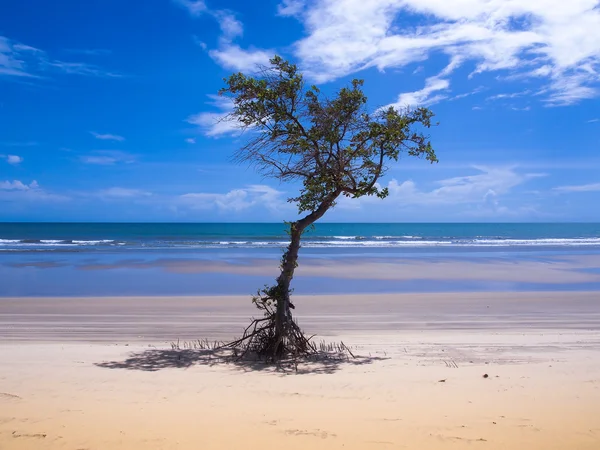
x: 323, y: 356
x: 261, y: 340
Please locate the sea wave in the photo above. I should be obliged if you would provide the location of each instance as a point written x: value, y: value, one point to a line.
x: 309, y: 242
x: 53, y: 242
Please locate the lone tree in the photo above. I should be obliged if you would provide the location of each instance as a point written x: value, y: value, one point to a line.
x: 333, y: 147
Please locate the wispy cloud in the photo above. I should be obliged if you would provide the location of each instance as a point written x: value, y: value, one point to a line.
x: 290, y: 7
x: 194, y: 7
x: 234, y: 57
x: 509, y: 95
x: 216, y: 123
x: 19, y: 144
x: 236, y: 199
x: 427, y: 96
x: 556, y: 43
x: 107, y: 158
x: 12, y: 159
x: 20, y: 60
x: 17, y: 185
x: 12, y: 58
x: 191, y: 140
x: 76, y: 68
x: 122, y: 193
x: 18, y: 191
x: 228, y: 54
x: 89, y: 51
x: 483, y: 190
x: 230, y: 26
x: 107, y: 136
x: 593, y: 121
x: 592, y: 187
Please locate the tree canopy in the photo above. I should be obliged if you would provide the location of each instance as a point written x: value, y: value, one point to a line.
x: 333, y: 146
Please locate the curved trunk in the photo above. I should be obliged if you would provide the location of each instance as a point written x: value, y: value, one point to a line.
x: 289, y: 263
x: 283, y: 314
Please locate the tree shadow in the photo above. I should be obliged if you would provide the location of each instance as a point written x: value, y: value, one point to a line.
x: 153, y: 360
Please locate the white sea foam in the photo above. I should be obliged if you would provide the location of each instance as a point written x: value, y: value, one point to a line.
x: 314, y: 242
x: 9, y: 241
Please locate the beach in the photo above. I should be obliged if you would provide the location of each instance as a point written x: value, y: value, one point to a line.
x: 462, y: 336
x: 99, y: 373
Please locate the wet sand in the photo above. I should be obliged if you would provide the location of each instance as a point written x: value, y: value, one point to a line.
x: 98, y: 373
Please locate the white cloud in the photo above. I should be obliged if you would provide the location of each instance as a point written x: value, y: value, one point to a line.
x: 89, y: 51
x: 216, y: 123
x: 467, y: 94
x: 107, y: 137
x: 107, y: 157
x: 433, y: 84
x: 20, y: 60
x: 12, y: 59
x: 593, y: 121
x: 17, y: 185
x: 511, y: 95
x: 194, y: 7
x: 233, y: 57
x: 491, y: 181
x: 483, y: 189
x: 592, y: 187
x: 12, y: 159
x: 17, y: 191
x: 191, y: 140
x: 227, y: 54
x: 236, y: 199
x: 122, y: 193
x: 75, y: 68
x: 424, y: 96
x: 290, y: 7
x: 19, y: 144
x: 570, y: 89
x: 551, y: 40
x: 230, y: 26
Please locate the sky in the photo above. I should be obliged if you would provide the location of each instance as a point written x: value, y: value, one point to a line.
x: 109, y: 109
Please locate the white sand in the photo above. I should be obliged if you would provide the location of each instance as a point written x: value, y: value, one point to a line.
x: 543, y: 389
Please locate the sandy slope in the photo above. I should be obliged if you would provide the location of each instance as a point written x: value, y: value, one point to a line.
x: 543, y: 389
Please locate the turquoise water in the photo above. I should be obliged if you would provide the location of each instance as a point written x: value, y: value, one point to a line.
x: 38, y: 259
x: 124, y: 237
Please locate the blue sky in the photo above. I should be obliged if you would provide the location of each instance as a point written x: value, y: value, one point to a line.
x: 108, y: 108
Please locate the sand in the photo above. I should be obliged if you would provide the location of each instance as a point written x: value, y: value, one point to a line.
x: 98, y: 373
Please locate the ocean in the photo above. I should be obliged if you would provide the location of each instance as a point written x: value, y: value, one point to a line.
x: 124, y: 237
x: 114, y: 259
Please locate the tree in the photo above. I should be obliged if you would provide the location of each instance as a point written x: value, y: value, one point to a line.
x: 332, y: 146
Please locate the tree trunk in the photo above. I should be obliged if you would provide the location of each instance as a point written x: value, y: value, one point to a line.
x: 290, y: 261
x: 283, y: 316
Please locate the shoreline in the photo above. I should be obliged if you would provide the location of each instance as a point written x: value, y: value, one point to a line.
x: 171, y: 275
